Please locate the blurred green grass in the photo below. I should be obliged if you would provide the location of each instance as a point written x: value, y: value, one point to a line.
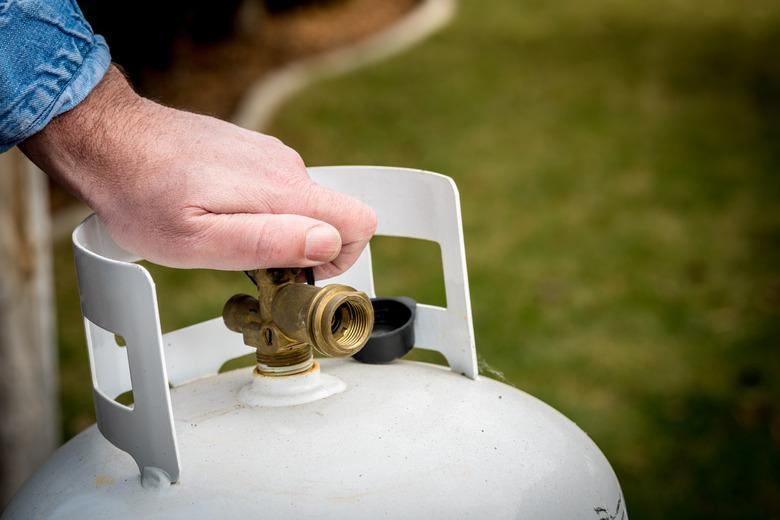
x: 618, y: 166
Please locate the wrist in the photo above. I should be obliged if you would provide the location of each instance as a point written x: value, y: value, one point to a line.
x: 83, y: 148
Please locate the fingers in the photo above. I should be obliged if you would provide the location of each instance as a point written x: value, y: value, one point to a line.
x: 279, y: 184
x: 248, y: 240
x: 349, y: 254
x: 355, y: 222
x: 253, y: 241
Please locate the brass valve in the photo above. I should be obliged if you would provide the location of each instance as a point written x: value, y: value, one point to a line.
x: 288, y: 318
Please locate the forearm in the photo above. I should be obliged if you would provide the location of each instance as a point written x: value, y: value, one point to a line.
x: 85, y: 149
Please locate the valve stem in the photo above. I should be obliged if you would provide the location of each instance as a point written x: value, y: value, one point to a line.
x: 288, y: 319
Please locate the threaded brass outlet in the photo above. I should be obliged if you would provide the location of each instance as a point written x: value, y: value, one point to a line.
x: 288, y: 318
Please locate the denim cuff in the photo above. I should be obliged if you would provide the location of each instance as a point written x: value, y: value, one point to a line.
x: 50, y: 60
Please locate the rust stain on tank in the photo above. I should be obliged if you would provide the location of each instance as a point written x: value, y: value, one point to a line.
x: 104, y: 480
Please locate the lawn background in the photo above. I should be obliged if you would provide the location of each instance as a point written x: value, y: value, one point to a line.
x: 618, y: 169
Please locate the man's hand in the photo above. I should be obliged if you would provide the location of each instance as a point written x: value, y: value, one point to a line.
x: 186, y: 190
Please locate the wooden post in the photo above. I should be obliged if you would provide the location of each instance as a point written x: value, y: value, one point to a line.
x: 29, y: 424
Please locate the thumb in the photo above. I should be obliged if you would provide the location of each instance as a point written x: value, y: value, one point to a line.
x: 246, y: 241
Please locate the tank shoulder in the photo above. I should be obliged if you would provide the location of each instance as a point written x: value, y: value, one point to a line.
x: 405, y: 439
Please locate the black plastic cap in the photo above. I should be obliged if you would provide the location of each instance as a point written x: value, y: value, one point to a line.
x: 393, y: 333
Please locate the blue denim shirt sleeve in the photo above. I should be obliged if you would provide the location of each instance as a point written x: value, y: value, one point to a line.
x: 49, y: 61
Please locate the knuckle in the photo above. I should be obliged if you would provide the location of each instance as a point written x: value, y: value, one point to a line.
x: 190, y: 235
x: 270, y: 139
x: 270, y: 248
x: 370, y: 222
x: 289, y: 157
x: 286, y: 169
x: 295, y: 158
x: 265, y: 248
x: 363, y: 223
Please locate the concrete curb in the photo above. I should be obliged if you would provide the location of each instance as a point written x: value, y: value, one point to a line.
x: 263, y: 99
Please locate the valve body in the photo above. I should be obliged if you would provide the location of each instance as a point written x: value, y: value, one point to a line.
x: 289, y: 318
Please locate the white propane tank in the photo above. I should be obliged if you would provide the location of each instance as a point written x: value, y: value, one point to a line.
x: 344, y: 440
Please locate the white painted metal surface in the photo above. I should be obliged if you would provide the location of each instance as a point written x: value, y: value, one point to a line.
x: 273, y: 391
x: 406, y: 440
x: 403, y: 440
x: 118, y: 297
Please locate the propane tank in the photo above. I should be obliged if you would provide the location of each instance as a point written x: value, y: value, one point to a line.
x: 298, y: 437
